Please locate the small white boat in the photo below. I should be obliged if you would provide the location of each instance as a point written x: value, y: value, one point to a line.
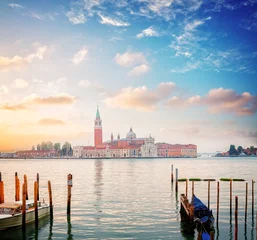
x: 11, y: 213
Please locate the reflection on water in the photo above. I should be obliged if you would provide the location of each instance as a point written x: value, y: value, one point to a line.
x: 129, y: 198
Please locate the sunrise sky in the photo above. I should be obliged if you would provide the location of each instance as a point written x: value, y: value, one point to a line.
x: 182, y: 70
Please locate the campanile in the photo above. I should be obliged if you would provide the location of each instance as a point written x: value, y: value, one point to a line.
x: 98, y: 129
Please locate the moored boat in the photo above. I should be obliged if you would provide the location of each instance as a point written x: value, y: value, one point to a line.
x: 11, y: 213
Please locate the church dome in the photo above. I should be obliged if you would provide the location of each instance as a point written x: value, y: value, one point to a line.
x: 131, y: 134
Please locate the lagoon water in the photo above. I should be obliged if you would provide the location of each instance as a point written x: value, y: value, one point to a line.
x: 130, y: 198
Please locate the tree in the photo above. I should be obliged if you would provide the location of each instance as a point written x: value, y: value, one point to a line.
x: 240, y: 149
x: 38, y: 147
x: 43, y: 146
x: 232, y: 150
x: 66, y: 149
x: 57, y: 147
x: 33, y: 148
x: 251, y: 149
x: 49, y: 145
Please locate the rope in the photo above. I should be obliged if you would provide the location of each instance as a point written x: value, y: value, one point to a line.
x: 251, y: 227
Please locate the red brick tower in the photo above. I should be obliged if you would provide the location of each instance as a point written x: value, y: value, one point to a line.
x: 98, y: 129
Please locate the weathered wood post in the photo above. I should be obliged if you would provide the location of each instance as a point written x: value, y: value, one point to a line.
x: 253, y: 198
x: 18, y: 189
x: 172, y: 173
x: 199, y: 237
x: 236, y: 218
x: 209, y: 193
x: 38, y: 186
x: 246, y: 201
x: 69, y: 193
x: 212, y: 235
x: 26, y: 186
x: 35, y: 204
x: 218, y: 200
x: 193, y: 188
x: 16, y: 185
x: 50, y: 199
x: 176, y: 180
x: 24, y: 207
x: 1, y: 189
x: 230, y: 196
x: 186, y: 186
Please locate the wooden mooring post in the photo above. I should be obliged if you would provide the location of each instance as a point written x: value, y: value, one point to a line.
x: 193, y: 188
x: 26, y: 186
x: 186, y: 187
x: 69, y: 193
x: 24, y: 207
x: 218, y: 201
x: 172, y: 174
x: 253, y: 199
x: 230, y: 199
x: 50, y: 199
x: 35, y: 204
x: 212, y: 235
x: 38, y: 186
x: 176, y: 180
x: 246, y: 201
x: 1, y: 189
x: 209, y: 186
x: 17, y: 187
x: 236, y: 218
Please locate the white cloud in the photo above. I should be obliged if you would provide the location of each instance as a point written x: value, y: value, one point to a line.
x: 130, y: 59
x: 193, y: 25
x: 188, y: 67
x: 80, y: 56
x: 113, y: 22
x: 37, y: 81
x: 139, y: 70
x: 15, y: 6
x: 3, y: 90
x: 20, y: 83
x: 84, y: 83
x: 149, y: 32
x: 141, y: 98
x: 76, y: 17
x: 92, y: 85
x: 17, y: 62
x: 61, y: 80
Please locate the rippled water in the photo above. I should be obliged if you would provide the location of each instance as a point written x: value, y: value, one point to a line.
x: 129, y: 198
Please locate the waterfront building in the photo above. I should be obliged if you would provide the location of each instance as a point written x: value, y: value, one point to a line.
x: 149, y: 149
x: 98, y: 130
x: 35, y: 153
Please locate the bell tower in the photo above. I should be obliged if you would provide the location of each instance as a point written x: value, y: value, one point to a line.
x: 98, y: 129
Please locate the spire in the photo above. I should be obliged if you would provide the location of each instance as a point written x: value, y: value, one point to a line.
x: 130, y: 129
x: 97, y: 112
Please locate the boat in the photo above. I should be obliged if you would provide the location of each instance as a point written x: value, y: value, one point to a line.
x: 197, y: 215
x: 11, y: 213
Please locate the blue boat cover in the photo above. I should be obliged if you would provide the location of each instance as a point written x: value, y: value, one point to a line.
x: 198, y: 205
x: 205, y: 236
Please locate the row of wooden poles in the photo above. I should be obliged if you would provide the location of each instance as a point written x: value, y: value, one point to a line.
x: 36, y: 196
x: 218, y: 199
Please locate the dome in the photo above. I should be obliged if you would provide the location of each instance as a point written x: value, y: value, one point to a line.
x: 131, y: 134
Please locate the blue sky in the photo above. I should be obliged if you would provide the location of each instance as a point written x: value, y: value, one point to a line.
x: 184, y: 71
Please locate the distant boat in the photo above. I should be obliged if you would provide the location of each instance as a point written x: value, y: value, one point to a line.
x: 11, y: 213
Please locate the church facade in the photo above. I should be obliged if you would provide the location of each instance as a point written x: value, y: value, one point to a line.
x: 130, y: 146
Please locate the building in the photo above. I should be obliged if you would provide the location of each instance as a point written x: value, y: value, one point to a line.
x: 35, y: 154
x: 149, y: 149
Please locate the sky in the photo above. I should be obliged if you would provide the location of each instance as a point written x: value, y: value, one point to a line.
x: 183, y: 71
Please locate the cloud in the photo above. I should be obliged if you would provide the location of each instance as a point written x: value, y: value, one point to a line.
x: 130, y: 59
x: 58, y: 99
x: 220, y: 100
x: 188, y: 67
x: 50, y: 122
x: 113, y: 22
x: 17, y: 62
x: 76, y: 17
x: 92, y: 85
x: 187, y: 131
x: 149, y: 32
x: 38, y: 81
x: 15, y: 6
x: 139, y: 70
x: 3, y: 90
x: 193, y: 25
x: 26, y: 12
x: 80, y: 56
x: 20, y: 83
x: 141, y: 98
x: 14, y: 107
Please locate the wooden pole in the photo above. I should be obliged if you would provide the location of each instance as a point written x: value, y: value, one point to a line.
x: 253, y: 198
x: 1, y: 189
x: 199, y: 237
x: 26, y: 186
x: 24, y: 207
x: 172, y: 173
x: 16, y: 186
x: 209, y: 193
x: 38, y: 186
x: 69, y: 193
x: 176, y: 180
x: 230, y: 196
x: 246, y: 201
x: 212, y: 235
x: 193, y: 188
x: 35, y: 204
x: 186, y: 187
x: 256, y: 225
x: 236, y: 218
x: 218, y: 200
x: 50, y: 199
x: 18, y: 189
